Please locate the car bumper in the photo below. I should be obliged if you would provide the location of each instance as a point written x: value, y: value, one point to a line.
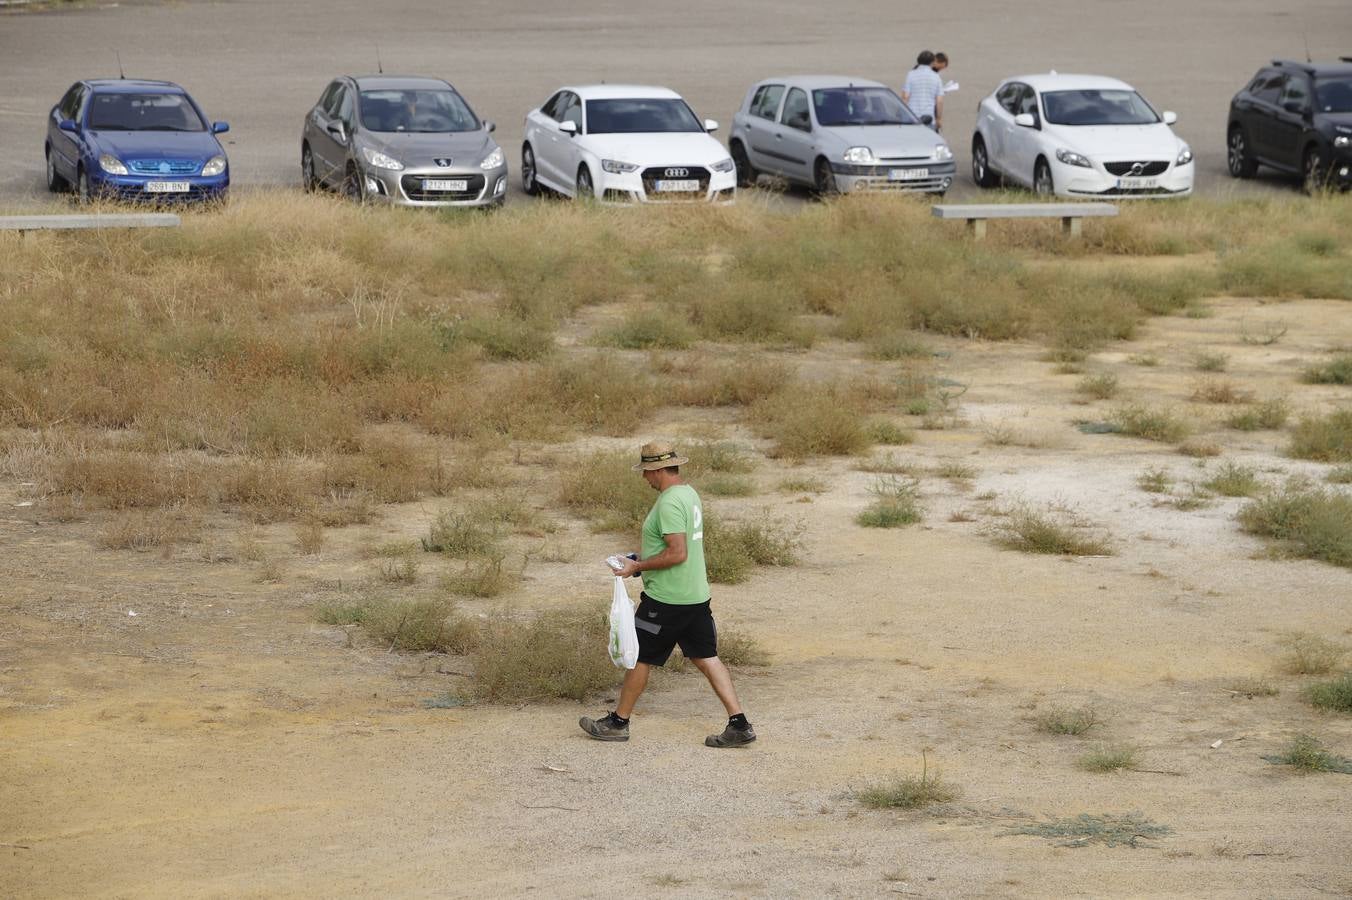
x: 1077, y: 181
x: 641, y: 187
x: 929, y: 177
x: 134, y: 187
x: 483, y: 187
x: 1340, y: 172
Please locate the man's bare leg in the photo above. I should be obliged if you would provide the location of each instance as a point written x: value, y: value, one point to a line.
x: 720, y: 680
x: 635, y: 680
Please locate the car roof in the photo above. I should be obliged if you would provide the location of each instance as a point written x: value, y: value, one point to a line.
x: 398, y: 82
x: 622, y: 92
x: 1056, y: 81
x: 817, y: 82
x: 133, y: 85
x: 1314, y: 68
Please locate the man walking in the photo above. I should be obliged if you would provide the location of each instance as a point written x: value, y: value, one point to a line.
x: 924, y: 90
x: 674, y: 606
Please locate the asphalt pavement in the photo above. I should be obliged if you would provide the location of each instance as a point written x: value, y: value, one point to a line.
x: 261, y: 64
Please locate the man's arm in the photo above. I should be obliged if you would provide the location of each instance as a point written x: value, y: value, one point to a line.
x: 939, y: 111
x: 673, y: 555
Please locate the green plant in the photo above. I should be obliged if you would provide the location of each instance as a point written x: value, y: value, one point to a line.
x: 909, y: 791
x: 555, y: 654
x: 736, y: 648
x: 461, y: 534
x: 648, y: 329
x: 484, y: 577
x: 813, y: 422
x: 604, y: 488
x: 803, y: 485
x: 1210, y: 362
x: 1324, y: 438
x: 1107, y: 829
x: 1307, y: 754
x: 881, y: 431
x: 728, y: 486
x: 1110, y: 758
x: 1335, y: 695
x: 416, y: 625
x: 1312, y: 523
x: 1336, y: 371
x: 1266, y: 414
x: 1102, y: 386
x: 896, y: 503
x: 723, y: 457
x: 732, y: 551
x: 1137, y: 420
x: 1155, y: 481
x: 1199, y: 449
x: 887, y: 464
x: 1032, y: 531
x: 955, y: 470
x: 1068, y: 720
x: 1234, y: 480
x: 1148, y: 360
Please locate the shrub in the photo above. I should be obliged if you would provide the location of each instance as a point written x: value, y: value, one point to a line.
x: 1154, y: 481
x: 485, y: 577
x: 415, y: 625
x: 1031, y: 531
x: 1210, y: 362
x: 605, y: 489
x: 740, y: 383
x: 880, y: 431
x: 803, y: 485
x: 1141, y: 421
x: 1335, y: 695
x: 1068, y: 720
x: 461, y: 534
x: 1310, y: 654
x: 813, y: 422
x: 909, y: 792
x: 718, y: 456
x: 1307, y: 754
x: 731, y: 551
x: 1266, y: 414
x: 1313, y: 523
x: 1110, y: 758
x: 1108, y: 829
x: 556, y: 654
x: 893, y: 345
x: 1234, y: 480
x: 1213, y: 390
x: 1199, y: 449
x: 1340, y: 475
x: 955, y: 470
x: 1324, y: 438
x: 1101, y: 387
x: 1336, y: 371
x: 739, y: 649
x: 896, y: 503
x: 649, y: 329
x: 149, y: 529
x: 728, y: 486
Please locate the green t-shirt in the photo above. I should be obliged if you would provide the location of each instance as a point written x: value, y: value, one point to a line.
x: 677, y: 511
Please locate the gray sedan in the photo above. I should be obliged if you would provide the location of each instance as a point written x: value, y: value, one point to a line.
x: 836, y: 134
x: 407, y: 141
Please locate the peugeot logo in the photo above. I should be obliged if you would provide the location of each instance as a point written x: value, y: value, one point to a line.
x: 676, y: 173
x: 443, y: 161
x: 1137, y: 168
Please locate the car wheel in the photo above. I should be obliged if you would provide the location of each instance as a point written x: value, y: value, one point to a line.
x: 352, y: 186
x: 529, y: 184
x: 307, y: 169
x: 1315, y: 171
x: 82, y: 178
x: 586, y: 190
x: 981, y: 163
x: 1042, y: 179
x: 1237, y: 155
x: 824, y: 180
x: 746, y: 173
x: 55, y: 183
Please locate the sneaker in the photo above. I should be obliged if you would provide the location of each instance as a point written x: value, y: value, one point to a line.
x: 731, y: 737
x: 605, y: 728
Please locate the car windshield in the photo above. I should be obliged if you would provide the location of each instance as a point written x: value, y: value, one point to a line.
x: 1333, y: 95
x: 1098, y: 108
x: 432, y: 111
x: 860, y: 106
x: 143, y: 112
x: 640, y: 116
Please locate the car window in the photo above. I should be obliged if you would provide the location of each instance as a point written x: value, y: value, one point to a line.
x: 1008, y: 97
x: 69, y: 102
x: 124, y: 111
x: 1026, y: 102
x: 795, y: 113
x: 328, y: 102
x: 435, y: 111
x: 552, y: 106
x: 1334, y: 94
x: 1297, y: 90
x: 766, y: 102
x: 836, y: 107
x: 345, y: 113
x: 1098, y: 107
x: 81, y: 103
x: 1269, y: 87
x: 572, y: 111
x: 640, y: 115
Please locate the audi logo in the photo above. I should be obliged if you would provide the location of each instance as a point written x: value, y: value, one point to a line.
x: 676, y: 173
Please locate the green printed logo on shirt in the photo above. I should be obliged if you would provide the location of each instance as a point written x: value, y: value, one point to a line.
x: 677, y: 511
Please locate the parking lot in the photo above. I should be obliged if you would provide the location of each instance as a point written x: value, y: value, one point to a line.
x: 260, y: 64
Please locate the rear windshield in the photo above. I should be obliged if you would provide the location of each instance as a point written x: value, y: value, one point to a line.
x: 144, y: 112
x: 423, y: 111
x: 860, y: 106
x: 1333, y: 95
x: 639, y: 116
x: 1098, y: 108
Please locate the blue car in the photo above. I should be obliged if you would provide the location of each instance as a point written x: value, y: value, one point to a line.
x: 134, y: 140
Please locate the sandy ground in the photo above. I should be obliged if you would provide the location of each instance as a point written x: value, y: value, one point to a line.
x: 261, y: 64
x: 218, y: 743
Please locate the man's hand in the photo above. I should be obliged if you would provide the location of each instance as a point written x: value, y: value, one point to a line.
x: 630, y: 569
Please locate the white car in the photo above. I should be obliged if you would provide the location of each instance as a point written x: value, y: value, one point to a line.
x: 624, y: 143
x: 1079, y: 136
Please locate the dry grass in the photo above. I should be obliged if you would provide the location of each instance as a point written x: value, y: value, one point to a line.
x: 1212, y: 390
x: 896, y: 502
x: 1234, y: 480
x: 1336, y: 371
x: 558, y: 653
x: 1310, y: 654
x: 1324, y: 438
x: 1153, y: 424
x: 732, y: 551
x: 604, y: 488
x: 1308, y: 522
x: 910, y: 791
x: 1103, y: 386
x: 1068, y: 720
x: 1264, y: 415
x: 1110, y: 758
x: 1036, y: 531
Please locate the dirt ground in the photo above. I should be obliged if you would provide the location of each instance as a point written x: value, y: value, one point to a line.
x: 175, y: 726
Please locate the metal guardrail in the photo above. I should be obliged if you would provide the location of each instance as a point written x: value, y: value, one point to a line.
x: 976, y: 214
x: 114, y: 220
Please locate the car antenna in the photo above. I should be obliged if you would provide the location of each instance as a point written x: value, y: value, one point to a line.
x: 1306, y: 38
x: 380, y: 69
x: 120, y: 73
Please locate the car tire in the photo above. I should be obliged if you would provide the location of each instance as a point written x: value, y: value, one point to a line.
x: 823, y: 179
x: 352, y: 184
x: 530, y: 182
x: 55, y: 183
x: 1314, y: 171
x: 746, y: 173
x: 82, y: 186
x: 981, y: 163
x: 586, y: 188
x: 1237, y: 158
x: 307, y: 169
x: 1043, y: 185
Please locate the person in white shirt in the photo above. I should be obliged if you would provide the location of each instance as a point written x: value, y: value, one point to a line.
x: 924, y: 90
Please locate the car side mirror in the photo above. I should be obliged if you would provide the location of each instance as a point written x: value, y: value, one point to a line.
x: 1025, y: 120
x: 927, y: 119
x: 801, y: 123
x: 568, y: 128
x: 1170, y: 117
x: 1293, y: 106
x: 338, y: 131
x: 220, y: 127
x: 710, y: 124
x: 68, y: 125
x: 490, y: 126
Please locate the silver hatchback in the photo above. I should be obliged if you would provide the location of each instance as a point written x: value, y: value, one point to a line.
x: 837, y: 134
x: 407, y: 141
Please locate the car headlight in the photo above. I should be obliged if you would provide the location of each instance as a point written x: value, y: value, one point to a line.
x: 860, y: 156
x: 1071, y: 158
x: 492, y: 160
x: 1342, y: 140
x: 724, y: 165
x: 112, y: 165
x: 380, y: 160
x: 1184, y: 156
x: 214, y: 166
x: 942, y: 152
x: 615, y: 167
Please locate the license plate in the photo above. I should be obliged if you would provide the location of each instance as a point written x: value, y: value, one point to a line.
x: 908, y: 175
x: 166, y: 187
x: 1138, y: 182
x: 442, y: 184
x: 684, y: 185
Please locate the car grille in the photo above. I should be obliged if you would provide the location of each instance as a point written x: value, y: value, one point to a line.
x: 163, y: 166
x: 659, y: 173
x: 412, y: 185
x: 1153, y: 167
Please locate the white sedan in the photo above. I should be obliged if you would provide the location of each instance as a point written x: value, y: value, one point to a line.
x: 624, y: 143
x: 1079, y: 136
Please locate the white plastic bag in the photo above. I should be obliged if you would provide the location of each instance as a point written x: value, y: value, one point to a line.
x: 623, y: 636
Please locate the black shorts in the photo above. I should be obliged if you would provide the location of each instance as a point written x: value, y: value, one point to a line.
x: 662, y: 626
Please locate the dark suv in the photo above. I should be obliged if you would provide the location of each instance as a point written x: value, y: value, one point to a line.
x: 1295, y: 117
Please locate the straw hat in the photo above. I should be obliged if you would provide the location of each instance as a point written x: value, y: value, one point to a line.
x: 658, y: 455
